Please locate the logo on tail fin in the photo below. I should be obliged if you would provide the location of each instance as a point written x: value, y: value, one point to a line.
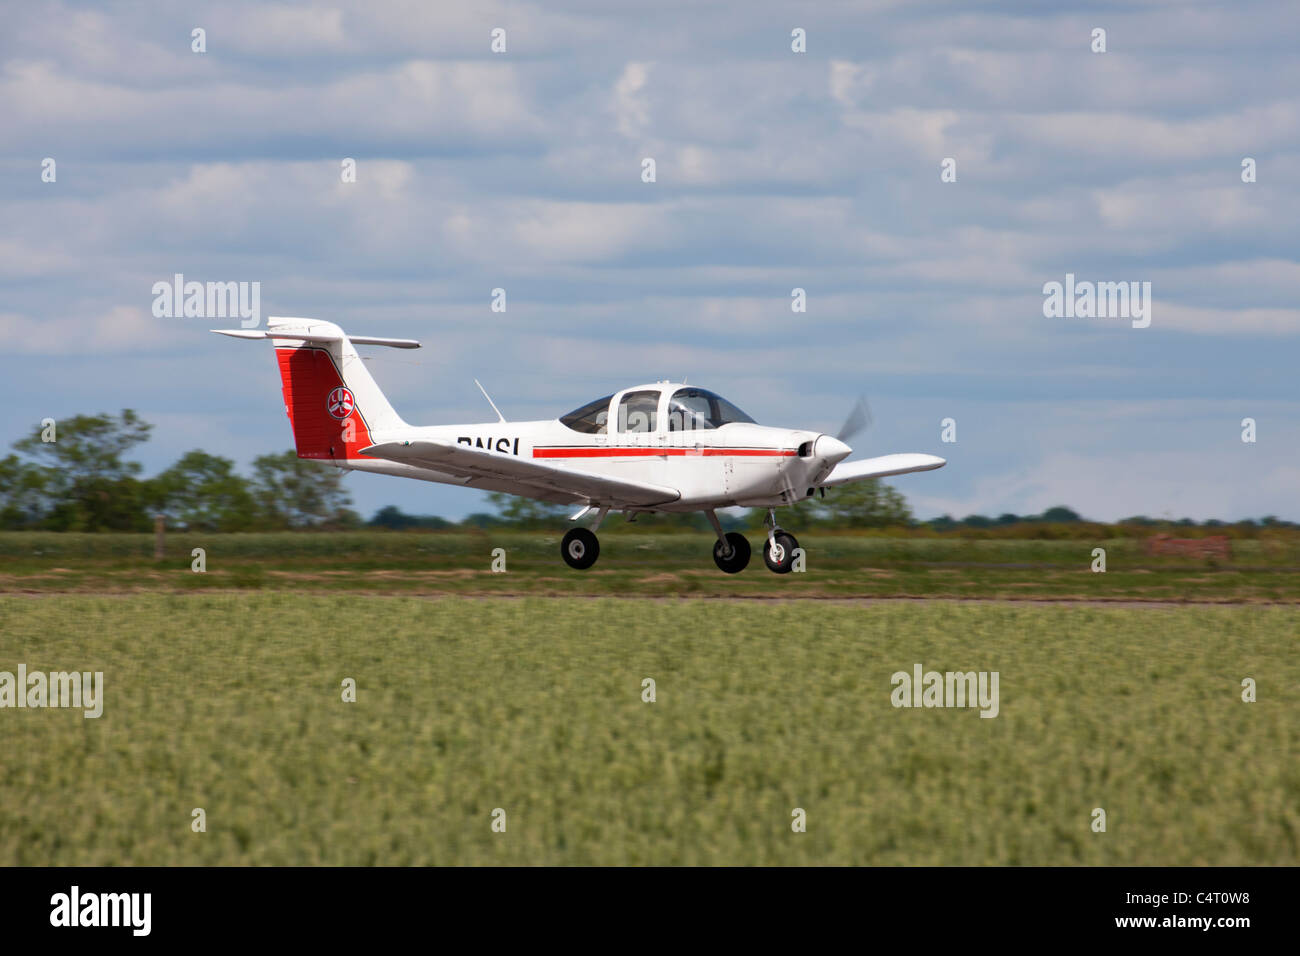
x: 339, y: 403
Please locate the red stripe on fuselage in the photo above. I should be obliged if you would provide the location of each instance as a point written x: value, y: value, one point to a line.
x: 643, y: 451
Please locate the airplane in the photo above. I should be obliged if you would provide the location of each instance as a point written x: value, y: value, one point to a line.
x: 661, y: 447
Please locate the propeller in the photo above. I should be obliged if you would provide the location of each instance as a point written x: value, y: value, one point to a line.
x: 834, y: 450
x: 859, y: 419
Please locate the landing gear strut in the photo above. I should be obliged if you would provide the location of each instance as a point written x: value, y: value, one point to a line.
x: 778, y: 550
x: 731, y: 552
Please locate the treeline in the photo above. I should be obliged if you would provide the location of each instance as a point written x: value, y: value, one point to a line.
x: 72, y: 475
x: 1138, y: 524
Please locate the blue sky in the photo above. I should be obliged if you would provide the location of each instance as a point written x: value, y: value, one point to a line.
x: 775, y: 170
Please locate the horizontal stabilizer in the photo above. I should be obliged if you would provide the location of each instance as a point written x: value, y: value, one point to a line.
x: 479, y: 463
x: 881, y: 467
x: 317, y: 337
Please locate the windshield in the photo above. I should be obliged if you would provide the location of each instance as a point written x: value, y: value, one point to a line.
x: 692, y: 408
x: 591, y: 418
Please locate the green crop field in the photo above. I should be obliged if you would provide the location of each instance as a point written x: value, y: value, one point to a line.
x: 232, y: 702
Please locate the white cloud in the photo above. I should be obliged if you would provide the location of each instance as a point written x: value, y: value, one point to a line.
x: 775, y: 170
x: 1209, y: 321
x: 122, y: 328
x: 631, y: 112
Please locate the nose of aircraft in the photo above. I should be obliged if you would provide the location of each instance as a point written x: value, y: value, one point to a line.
x: 829, y: 448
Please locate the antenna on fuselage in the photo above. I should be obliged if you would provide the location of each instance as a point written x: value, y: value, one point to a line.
x: 500, y: 417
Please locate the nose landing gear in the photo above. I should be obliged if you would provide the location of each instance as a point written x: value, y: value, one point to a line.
x: 778, y: 550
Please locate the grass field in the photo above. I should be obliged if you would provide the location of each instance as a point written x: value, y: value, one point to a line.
x: 650, y: 564
x: 232, y: 703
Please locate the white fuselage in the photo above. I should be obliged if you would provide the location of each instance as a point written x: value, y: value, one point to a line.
x: 739, y: 463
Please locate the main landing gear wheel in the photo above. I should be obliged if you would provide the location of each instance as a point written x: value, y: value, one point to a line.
x: 737, y: 557
x: 580, y: 548
x: 781, y: 560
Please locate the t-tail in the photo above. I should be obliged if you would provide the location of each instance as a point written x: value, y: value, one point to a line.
x: 334, y: 406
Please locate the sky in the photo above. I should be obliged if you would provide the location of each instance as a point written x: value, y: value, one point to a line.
x: 775, y: 170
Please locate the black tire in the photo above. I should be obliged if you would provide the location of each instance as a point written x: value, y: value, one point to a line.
x: 787, y: 543
x: 580, y: 548
x: 734, y: 562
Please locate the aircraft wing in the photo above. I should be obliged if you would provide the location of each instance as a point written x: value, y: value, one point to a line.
x: 478, y: 463
x: 881, y: 467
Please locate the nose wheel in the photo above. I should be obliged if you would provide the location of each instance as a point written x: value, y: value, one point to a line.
x: 580, y: 548
x: 778, y: 551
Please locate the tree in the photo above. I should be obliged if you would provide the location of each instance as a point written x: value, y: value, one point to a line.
x: 23, y: 497
x: 524, y: 512
x: 87, y: 486
x: 862, y: 504
x: 1060, y: 513
x: 394, y: 518
x: 481, y: 519
x: 293, y: 492
x: 204, y: 492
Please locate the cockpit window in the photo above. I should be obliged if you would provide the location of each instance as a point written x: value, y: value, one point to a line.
x: 638, y: 411
x: 590, y: 419
x: 692, y: 408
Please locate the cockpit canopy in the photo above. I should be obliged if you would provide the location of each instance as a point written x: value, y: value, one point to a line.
x: 688, y: 409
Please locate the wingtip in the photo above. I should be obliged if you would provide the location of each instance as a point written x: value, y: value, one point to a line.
x: 241, y: 333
